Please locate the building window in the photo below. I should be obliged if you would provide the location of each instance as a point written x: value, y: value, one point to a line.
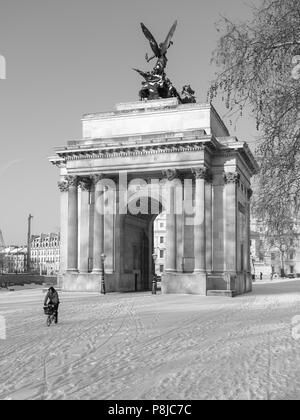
x: 291, y: 269
x: 161, y: 268
x: 161, y: 253
x: 161, y: 239
x: 161, y: 224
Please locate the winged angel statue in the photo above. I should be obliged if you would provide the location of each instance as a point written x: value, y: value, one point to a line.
x: 156, y: 84
x: 161, y: 50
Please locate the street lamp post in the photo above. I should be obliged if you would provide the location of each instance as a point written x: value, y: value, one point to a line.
x: 154, y: 282
x: 103, y: 292
x: 282, y: 248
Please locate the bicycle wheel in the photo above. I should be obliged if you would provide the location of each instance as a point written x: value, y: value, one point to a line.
x: 49, y: 320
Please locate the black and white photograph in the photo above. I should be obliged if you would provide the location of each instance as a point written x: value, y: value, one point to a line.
x: 149, y: 203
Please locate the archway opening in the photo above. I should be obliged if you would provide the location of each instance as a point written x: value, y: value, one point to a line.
x: 141, y: 239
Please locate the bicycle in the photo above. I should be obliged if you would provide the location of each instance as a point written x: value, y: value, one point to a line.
x: 51, y: 314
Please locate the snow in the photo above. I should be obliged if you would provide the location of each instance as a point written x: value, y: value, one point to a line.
x: 143, y: 346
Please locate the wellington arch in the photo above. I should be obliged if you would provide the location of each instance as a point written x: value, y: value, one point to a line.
x: 136, y: 161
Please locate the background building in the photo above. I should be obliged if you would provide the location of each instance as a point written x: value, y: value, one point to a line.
x: 13, y: 259
x: 45, y: 254
x: 160, y: 237
x: 267, y: 259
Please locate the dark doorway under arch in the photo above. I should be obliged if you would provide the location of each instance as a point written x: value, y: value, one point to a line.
x: 136, y: 249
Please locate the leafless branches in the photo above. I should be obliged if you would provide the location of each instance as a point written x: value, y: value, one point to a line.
x: 256, y: 61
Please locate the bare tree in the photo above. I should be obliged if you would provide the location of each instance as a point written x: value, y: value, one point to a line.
x: 281, y: 234
x: 259, y: 67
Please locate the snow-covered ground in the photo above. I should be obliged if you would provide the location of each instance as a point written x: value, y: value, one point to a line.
x: 140, y: 346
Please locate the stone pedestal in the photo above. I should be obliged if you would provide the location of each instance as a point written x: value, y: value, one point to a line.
x: 184, y: 283
x: 78, y: 282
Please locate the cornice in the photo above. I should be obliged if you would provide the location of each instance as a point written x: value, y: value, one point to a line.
x: 245, y: 153
x: 147, y: 108
x: 121, y: 151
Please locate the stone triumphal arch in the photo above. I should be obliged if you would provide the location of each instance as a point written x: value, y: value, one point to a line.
x: 137, y: 161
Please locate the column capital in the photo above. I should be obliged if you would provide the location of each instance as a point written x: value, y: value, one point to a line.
x: 72, y: 180
x: 201, y: 172
x: 231, y: 177
x: 63, y: 185
x: 170, y: 174
x: 97, y: 178
x: 67, y: 182
x: 85, y: 183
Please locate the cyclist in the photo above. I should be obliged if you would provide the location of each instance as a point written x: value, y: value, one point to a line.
x: 52, y: 297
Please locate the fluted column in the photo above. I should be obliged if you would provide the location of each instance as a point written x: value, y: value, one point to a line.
x: 84, y: 223
x: 98, y: 223
x: 249, y: 195
x: 63, y: 186
x: 208, y: 222
x: 72, y: 259
x: 231, y: 180
x: 178, y: 197
x: 171, y: 252
x: 201, y: 175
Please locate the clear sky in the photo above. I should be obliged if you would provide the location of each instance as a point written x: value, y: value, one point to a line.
x: 66, y: 58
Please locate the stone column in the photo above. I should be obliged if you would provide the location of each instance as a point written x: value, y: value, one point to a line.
x: 85, y: 184
x: 249, y: 195
x: 179, y: 228
x: 231, y: 180
x: 208, y: 222
x: 179, y: 242
x: 98, y: 223
x: 63, y: 251
x: 72, y: 261
x: 171, y: 246
x: 201, y: 175
x: 110, y: 196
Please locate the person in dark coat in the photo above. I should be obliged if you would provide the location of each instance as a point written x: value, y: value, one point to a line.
x: 53, y: 299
